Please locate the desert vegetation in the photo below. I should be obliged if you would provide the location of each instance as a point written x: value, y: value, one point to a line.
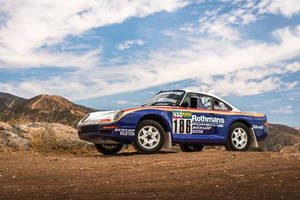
x: 41, y: 137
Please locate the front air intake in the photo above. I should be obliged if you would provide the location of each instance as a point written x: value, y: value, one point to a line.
x: 89, y: 129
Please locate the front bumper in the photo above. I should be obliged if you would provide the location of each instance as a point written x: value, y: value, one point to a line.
x: 100, y: 134
x: 94, y: 134
x: 95, y: 138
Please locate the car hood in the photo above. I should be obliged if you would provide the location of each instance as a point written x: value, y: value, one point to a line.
x: 97, y: 117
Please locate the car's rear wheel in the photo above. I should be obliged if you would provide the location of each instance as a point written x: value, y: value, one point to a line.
x: 191, y: 147
x: 238, y: 137
x: 109, y: 149
x: 149, y: 137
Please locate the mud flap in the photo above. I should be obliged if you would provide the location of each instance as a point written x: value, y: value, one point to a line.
x: 254, y: 143
x: 168, y: 140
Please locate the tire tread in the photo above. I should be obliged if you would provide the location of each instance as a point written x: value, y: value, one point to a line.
x: 228, y: 145
x: 161, y: 131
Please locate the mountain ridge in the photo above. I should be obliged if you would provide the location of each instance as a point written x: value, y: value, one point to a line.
x: 44, y: 107
x: 279, y: 137
x: 9, y: 100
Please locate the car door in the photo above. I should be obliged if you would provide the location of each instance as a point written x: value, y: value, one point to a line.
x: 195, y: 122
x: 202, y: 117
x: 221, y: 111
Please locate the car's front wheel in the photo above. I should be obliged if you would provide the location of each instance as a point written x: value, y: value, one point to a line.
x: 238, y: 138
x: 149, y: 137
x: 191, y: 147
x: 109, y: 149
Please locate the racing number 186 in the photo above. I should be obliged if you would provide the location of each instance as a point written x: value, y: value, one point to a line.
x: 182, y: 126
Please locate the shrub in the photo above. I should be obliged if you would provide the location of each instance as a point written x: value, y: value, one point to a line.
x: 44, y: 142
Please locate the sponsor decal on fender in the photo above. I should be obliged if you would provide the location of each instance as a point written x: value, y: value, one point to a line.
x: 125, y: 131
x: 181, y: 114
x: 258, y: 127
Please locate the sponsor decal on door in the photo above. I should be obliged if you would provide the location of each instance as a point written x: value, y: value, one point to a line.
x: 187, y: 123
x: 182, y: 122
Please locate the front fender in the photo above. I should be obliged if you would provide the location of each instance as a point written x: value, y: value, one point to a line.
x: 133, y: 118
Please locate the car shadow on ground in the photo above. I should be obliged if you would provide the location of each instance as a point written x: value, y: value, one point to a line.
x: 124, y: 154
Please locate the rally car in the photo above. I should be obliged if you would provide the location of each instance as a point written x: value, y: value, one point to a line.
x: 190, y: 119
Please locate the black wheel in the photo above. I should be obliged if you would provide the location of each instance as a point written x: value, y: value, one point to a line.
x: 109, y: 149
x: 149, y: 137
x: 238, y: 137
x: 191, y: 147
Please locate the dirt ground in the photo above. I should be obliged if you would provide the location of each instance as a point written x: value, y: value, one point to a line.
x: 167, y: 175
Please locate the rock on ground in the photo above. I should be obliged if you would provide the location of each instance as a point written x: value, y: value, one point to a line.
x: 291, y: 149
x: 40, y: 136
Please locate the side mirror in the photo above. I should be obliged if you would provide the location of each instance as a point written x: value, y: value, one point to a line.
x: 185, y: 104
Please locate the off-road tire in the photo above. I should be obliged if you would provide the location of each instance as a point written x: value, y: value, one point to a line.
x: 231, y: 145
x: 139, y: 144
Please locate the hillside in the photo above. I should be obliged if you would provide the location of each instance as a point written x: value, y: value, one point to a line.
x: 9, y: 101
x: 279, y: 137
x: 47, y: 108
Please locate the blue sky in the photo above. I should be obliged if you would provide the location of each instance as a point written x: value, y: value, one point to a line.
x: 118, y: 54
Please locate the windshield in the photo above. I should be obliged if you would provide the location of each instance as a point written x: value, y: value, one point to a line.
x: 170, y: 98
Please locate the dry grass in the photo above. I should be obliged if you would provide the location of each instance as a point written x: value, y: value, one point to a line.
x: 46, y: 142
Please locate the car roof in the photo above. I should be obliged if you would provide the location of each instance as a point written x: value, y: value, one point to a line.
x: 212, y: 95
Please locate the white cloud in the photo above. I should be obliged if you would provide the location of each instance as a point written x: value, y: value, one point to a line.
x: 202, y: 60
x: 240, y: 87
x: 34, y: 59
x: 127, y: 44
x: 122, y: 102
x: 248, y: 66
x: 125, y: 102
x: 30, y: 25
x: 283, y: 110
x: 222, y: 23
x: 185, y: 27
x: 293, y: 67
x: 224, y: 31
x: 218, y: 22
x: 205, y: 58
x: 285, y: 7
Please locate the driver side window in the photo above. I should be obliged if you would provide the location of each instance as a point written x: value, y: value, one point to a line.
x: 193, y: 100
